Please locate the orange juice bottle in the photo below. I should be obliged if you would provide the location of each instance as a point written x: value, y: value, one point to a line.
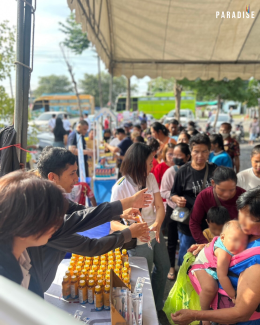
x: 78, y: 269
x: 76, y: 273
x: 83, y: 292
x: 96, y: 262
x: 117, y: 249
x: 124, y: 275
x: 88, y: 261
x: 100, y: 272
x: 67, y: 273
x: 110, y: 266
x: 111, y: 260
x: 126, y: 264
x: 91, y: 290
x: 74, y: 287
x: 108, y: 282
x: 91, y: 277
x: 85, y: 272
x: 101, y: 284
x: 119, y: 267
x: 80, y: 263
x: 127, y: 282
x: 66, y: 287
x: 106, y: 297
x: 124, y: 256
x: 103, y: 262
x: 103, y: 259
x: 81, y: 277
x: 70, y: 269
x: 103, y: 268
x: 73, y: 259
x: 99, y: 277
x: 98, y: 298
x: 119, y: 261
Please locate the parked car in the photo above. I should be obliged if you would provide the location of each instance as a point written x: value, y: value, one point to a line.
x: 222, y: 118
x: 42, y: 121
x: 186, y: 115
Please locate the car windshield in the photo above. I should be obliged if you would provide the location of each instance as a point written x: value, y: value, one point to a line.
x: 221, y: 118
x: 44, y: 117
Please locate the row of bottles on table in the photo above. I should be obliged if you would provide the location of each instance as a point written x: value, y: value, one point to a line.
x: 88, y: 278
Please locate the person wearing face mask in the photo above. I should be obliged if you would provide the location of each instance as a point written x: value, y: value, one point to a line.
x: 231, y: 145
x: 189, y: 181
x: 218, y: 155
x: 250, y: 178
x: 181, y: 155
x: 223, y: 192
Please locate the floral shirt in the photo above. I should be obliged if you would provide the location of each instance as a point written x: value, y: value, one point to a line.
x: 231, y: 146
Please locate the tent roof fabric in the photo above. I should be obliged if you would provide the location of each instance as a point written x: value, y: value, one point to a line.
x: 173, y: 38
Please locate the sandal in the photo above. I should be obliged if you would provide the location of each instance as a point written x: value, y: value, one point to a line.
x: 171, y: 276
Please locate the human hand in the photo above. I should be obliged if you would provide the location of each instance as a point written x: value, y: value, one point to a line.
x: 196, y: 248
x: 130, y: 214
x: 183, y: 317
x: 180, y: 201
x: 156, y: 227
x: 141, y: 199
x: 139, y: 230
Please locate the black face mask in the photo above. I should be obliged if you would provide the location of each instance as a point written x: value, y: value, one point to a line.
x: 178, y: 161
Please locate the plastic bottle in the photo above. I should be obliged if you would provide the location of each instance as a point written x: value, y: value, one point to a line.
x: 126, y: 264
x: 73, y: 264
x: 111, y: 260
x: 103, y: 262
x: 106, y: 297
x: 96, y: 262
x: 119, y: 267
x: 70, y: 269
x: 78, y: 268
x: 124, y: 275
x: 103, y: 268
x: 99, y: 277
x: 91, y: 290
x: 103, y: 259
x: 110, y: 266
x: 124, y: 270
x: 81, y: 277
x: 117, y: 249
x: 74, y: 287
x: 101, y: 284
x: 84, y: 271
x: 91, y: 277
x: 66, y: 287
x: 83, y: 292
x: 67, y: 273
x: 76, y: 273
x: 124, y: 256
x: 81, y: 258
x: 108, y: 282
x: 88, y: 261
x: 127, y: 282
x: 100, y: 272
x: 98, y: 298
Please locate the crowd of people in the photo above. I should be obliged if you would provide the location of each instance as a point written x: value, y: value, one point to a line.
x: 186, y: 186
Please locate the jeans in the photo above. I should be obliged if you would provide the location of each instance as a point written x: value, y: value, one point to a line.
x: 185, y: 243
x: 171, y: 228
x: 59, y: 144
x: 158, y: 256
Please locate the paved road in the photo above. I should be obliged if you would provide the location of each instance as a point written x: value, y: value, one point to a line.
x: 244, y: 164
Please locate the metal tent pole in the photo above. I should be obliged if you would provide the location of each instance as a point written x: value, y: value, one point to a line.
x: 26, y: 75
x: 18, y: 110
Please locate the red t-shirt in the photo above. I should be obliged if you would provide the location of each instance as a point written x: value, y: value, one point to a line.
x: 159, y: 171
x: 106, y: 124
x: 85, y: 191
x: 155, y: 163
x: 204, y: 201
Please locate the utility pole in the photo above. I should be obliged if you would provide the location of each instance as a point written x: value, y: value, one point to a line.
x: 72, y: 78
x: 128, y: 98
x: 99, y: 83
x: 111, y: 90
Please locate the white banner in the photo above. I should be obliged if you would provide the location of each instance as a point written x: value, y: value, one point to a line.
x: 82, y: 171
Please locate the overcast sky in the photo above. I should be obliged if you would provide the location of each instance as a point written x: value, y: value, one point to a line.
x: 47, y: 57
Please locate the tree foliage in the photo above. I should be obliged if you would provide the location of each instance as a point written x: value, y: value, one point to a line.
x: 253, y: 93
x: 161, y: 85
x: 53, y: 84
x: 89, y: 85
x: 75, y: 40
x: 6, y: 105
x: 7, y: 40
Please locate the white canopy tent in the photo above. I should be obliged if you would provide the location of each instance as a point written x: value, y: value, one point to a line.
x: 174, y: 38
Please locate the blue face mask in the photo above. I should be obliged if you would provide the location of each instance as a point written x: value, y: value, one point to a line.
x: 178, y: 161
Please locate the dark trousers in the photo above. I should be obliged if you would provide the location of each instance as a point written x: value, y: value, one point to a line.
x: 171, y: 228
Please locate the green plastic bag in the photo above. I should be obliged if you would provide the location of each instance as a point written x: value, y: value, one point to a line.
x: 182, y: 294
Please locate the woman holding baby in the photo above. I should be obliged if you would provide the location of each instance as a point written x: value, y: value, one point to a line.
x: 247, y: 297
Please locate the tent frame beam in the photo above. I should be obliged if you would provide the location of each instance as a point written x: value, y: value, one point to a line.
x: 186, y: 62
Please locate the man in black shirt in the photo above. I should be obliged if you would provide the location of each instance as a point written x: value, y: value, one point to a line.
x: 81, y: 130
x: 188, y: 183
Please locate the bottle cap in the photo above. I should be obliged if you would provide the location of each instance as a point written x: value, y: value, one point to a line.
x: 97, y: 288
x: 81, y: 258
x: 82, y: 282
x: 100, y: 283
x: 66, y: 278
x: 107, y: 287
x: 96, y: 257
x: 108, y: 277
x: 126, y: 264
x: 117, y: 249
x: 103, y: 258
x: 91, y: 277
x: 126, y: 280
x: 117, y: 270
x: 95, y: 268
x: 103, y: 268
x: 91, y: 282
x: 78, y: 268
x: 91, y: 272
x: 107, y: 282
x: 103, y: 262
x: 73, y: 278
x: 75, y: 273
x: 82, y: 277
x: 124, y: 270
x: 118, y: 266
x: 84, y: 271
x: 67, y: 273
x: 100, y: 272
x: 124, y: 251
x: 125, y: 275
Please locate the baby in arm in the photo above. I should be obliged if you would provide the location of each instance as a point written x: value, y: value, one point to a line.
x: 232, y: 241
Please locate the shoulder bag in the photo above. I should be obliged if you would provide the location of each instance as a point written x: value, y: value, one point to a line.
x: 183, y: 214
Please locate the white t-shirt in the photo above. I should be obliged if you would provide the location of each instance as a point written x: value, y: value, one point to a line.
x: 66, y: 125
x: 88, y: 121
x: 52, y: 123
x: 247, y: 179
x: 114, y: 142
x: 125, y: 187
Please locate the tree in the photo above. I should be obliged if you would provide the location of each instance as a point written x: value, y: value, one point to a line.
x: 160, y: 84
x: 7, y: 40
x: 221, y: 90
x: 53, y: 84
x: 6, y: 105
x: 89, y: 85
x: 76, y: 40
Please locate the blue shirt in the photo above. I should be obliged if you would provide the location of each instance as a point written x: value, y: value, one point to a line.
x: 124, y: 145
x: 222, y: 159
